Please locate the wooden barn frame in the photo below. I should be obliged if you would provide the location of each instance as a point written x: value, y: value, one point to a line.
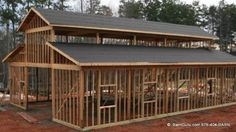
x: 90, y: 95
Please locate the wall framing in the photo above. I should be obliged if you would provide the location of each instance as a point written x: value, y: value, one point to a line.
x: 90, y: 96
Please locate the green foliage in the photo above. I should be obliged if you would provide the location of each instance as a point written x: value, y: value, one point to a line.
x: 93, y: 6
x: 104, y: 10
x: 60, y: 5
x: 178, y: 13
x: 131, y: 9
x: 218, y: 20
x: 152, y: 10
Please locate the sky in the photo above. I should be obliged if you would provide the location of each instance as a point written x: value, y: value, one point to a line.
x: 114, y: 4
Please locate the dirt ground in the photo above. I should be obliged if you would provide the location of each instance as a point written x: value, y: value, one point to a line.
x: 10, y: 121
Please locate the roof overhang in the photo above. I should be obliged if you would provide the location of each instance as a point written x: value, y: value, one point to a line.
x: 154, y: 64
x: 136, y: 31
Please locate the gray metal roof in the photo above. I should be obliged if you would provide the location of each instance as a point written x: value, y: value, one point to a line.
x: 55, y: 17
x: 94, y: 53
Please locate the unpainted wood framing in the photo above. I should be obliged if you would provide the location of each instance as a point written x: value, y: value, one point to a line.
x: 89, y: 96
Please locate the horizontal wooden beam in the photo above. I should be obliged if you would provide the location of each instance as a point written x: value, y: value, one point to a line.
x: 39, y: 29
x: 45, y: 65
x: 67, y: 124
x: 65, y: 67
x: 19, y: 106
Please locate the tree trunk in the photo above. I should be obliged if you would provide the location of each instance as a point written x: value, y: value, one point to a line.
x: 14, y: 35
x: 8, y: 42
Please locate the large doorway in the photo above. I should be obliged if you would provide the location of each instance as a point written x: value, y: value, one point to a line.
x: 39, y: 86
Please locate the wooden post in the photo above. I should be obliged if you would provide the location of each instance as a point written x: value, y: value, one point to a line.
x: 165, y: 42
x: 142, y: 89
x: 53, y: 83
x: 81, y: 96
x: 135, y: 40
x: 116, y: 95
x: 53, y: 37
x: 130, y: 42
x: 26, y: 49
x: 98, y: 98
x: 129, y: 93
x: 26, y: 87
x: 26, y: 74
x: 97, y: 38
x: 177, y: 91
x: 210, y: 43
x: 166, y: 90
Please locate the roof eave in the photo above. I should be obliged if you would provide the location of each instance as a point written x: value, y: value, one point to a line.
x: 154, y: 64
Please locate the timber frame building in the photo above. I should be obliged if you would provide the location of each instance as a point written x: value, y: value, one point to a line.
x: 100, y: 71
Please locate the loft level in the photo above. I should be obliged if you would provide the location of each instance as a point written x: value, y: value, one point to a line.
x: 95, y: 37
x: 161, y: 42
x: 42, y: 25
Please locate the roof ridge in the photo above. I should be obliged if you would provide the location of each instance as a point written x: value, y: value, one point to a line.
x: 124, y: 18
x: 118, y: 24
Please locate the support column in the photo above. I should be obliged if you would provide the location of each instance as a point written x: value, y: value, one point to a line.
x: 165, y: 42
x: 98, y: 41
x: 53, y: 36
x: 37, y: 84
x: 135, y: 40
x: 129, y: 93
x: 81, y: 97
x: 210, y: 44
x: 26, y: 88
x: 53, y: 83
x: 26, y: 48
x: 142, y: 95
x: 98, y: 98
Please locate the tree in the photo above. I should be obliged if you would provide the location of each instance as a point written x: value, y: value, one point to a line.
x: 37, y: 3
x: 131, y: 9
x: 178, y: 13
x: 201, y: 13
x: 152, y: 10
x: 93, y: 6
x: 105, y: 10
x: 223, y: 31
x: 5, y: 21
x: 61, y: 5
x: 10, y: 17
x: 212, y: 20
